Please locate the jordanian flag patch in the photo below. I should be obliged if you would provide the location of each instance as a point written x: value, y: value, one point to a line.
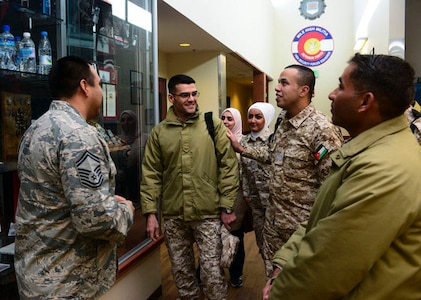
x: 320, y: 152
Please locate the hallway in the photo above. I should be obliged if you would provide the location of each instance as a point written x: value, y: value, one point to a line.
x: 253, y: 274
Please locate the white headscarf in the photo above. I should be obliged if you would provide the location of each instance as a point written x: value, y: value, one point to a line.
x: 268, y: 111
x: 237, y: 130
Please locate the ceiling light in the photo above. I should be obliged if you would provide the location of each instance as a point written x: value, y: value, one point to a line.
x: 184, y: 44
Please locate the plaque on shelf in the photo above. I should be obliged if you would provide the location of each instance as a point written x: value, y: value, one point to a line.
x: 15, y: 119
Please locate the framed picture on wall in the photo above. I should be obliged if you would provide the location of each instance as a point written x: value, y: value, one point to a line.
x: 136, y: 87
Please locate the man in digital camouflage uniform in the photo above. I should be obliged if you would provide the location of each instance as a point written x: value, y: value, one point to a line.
x: 299, y: 155
x: 197, y: 179
x: 68, y: 219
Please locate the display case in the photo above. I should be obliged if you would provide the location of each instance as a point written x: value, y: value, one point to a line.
x: 117, y: 38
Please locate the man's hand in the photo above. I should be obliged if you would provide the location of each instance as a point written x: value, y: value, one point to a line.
x: 268, y: 286
x: 227, y: 219
x: 124, y: 200
x: 152, y: 227
x: 234, y: 143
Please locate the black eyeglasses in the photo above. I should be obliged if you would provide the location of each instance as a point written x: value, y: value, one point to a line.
x: 186, y: 95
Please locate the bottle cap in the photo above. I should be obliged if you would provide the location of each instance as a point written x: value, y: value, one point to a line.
x: 44, y: 33
x: 6, y: 28
x: 26, y: 34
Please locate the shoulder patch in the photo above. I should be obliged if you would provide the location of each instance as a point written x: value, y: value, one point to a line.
x: 320, y: 152
x: 89, y: 169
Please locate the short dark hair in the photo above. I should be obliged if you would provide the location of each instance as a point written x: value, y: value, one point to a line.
x: 66, y: 74
x: 306, y: 77
x: 177, y: 79
x: 389, y: 78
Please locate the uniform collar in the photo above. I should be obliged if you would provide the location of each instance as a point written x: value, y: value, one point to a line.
x: 367, y: 138
x: 298, y: 119
x: 64, y: 106
x: 172, y: 117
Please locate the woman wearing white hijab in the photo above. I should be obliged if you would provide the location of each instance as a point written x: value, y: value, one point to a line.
x: 231, y: 118
x: 255, y: 175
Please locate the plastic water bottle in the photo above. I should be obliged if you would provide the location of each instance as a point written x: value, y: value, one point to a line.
x: 46, y: 7
x: 2, y: 49
x: 8, y: 49
x: 44, y: 54
x: 27, y: 54
x: 17, y: 51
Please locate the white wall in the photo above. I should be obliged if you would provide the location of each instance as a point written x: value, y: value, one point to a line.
x: 338, y: 20
x: 263, y: 34
x: 244, y: 26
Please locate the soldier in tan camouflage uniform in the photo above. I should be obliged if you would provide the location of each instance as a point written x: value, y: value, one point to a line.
x: 68, y: 219
x: 256, y: 175
x: 299, y: 157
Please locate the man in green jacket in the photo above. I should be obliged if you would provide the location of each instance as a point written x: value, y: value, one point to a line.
x: 196, y: 180
x: 363, y: 237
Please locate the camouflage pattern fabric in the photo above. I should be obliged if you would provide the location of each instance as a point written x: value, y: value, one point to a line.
x: 414, y: 118
x: 230, y: 245
x: 299, y: 156
x: 179, y: 239
x: 255, y: 184
x: 68, y: 221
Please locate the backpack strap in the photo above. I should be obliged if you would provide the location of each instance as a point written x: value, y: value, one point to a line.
x: 210, y: 125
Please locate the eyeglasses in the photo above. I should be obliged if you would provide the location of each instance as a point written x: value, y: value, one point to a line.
x: 187, y: 95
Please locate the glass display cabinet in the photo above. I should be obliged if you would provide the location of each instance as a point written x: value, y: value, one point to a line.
x: 117, y: 37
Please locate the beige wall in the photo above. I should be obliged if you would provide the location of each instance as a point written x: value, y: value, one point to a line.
x: 140, y: 282
x: 241, y: 98
x: 202, y: 67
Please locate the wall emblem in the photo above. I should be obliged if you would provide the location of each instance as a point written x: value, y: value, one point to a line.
x: 312, y: 9
x: 312, y: 46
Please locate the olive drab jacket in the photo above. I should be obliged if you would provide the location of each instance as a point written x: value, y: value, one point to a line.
x: 362, y: 240
x: 194, y: 175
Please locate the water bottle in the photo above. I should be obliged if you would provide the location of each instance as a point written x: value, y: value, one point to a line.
x: 44, y: 54
x: 46, y: 7
x: 27, y: 54
x: 8, y: 49
x: 17, y: 51
x: 2, y: 49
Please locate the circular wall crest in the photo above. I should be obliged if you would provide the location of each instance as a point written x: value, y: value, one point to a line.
x: 312, y: 9
x: 312, y: 46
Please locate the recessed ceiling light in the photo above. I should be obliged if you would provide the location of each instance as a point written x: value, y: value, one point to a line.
x: 184, y: 45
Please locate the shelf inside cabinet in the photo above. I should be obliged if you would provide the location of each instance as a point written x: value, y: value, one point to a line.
x: 26, y: 82
x: 36, y: 15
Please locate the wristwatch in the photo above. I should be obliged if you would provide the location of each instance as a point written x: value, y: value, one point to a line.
x: 227, y: 211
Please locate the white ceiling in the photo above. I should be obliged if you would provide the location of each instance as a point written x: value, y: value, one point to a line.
x: 174, y: 28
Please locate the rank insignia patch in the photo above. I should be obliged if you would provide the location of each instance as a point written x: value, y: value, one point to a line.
x: 89, y: 169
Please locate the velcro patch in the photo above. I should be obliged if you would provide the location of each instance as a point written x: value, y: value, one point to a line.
x: 89, y: 169
x: 320, y: 152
